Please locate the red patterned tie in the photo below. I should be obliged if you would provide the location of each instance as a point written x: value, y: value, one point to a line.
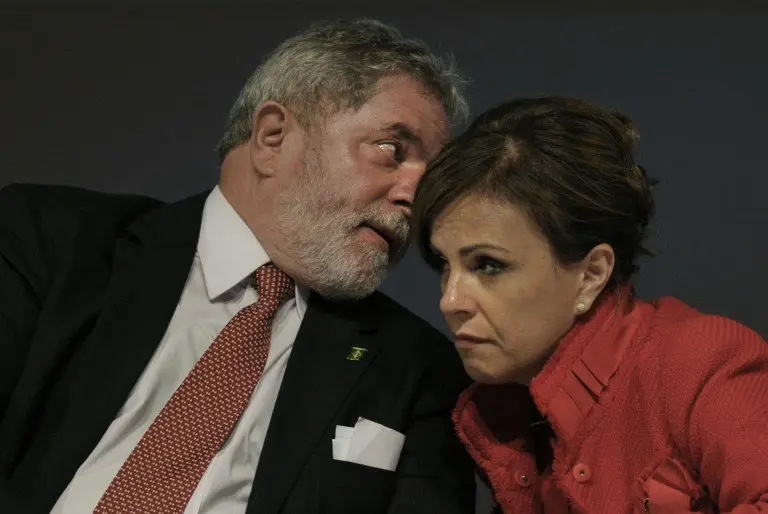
x: 166, y: 465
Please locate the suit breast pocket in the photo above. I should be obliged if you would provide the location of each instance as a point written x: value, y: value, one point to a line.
x: 353, y: 488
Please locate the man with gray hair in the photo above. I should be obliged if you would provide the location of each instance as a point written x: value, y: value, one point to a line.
x: 230, y: 352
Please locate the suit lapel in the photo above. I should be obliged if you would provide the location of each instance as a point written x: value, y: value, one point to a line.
x: 151, y: 266
x: 318, y: 378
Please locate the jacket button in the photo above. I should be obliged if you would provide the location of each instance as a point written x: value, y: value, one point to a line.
x: 581, y: 473
x: 524, y: 479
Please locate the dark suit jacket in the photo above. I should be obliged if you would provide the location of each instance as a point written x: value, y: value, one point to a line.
x: 88, y: 284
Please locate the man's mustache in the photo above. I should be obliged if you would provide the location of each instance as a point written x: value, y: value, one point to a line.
x: 393, y: 226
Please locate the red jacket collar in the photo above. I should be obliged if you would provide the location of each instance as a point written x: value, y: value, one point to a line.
x: 492, y: 419
x: 573, y: 379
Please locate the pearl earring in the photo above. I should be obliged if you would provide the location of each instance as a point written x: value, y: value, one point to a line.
x: 581, y: 307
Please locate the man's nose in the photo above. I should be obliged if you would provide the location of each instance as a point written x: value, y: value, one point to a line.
x: 404, y: 187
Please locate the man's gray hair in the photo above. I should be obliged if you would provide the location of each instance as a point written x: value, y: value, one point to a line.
x: 338, y: 65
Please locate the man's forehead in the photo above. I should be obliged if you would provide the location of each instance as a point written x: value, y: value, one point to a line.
x: 401, y: 108
x: 409, y: 102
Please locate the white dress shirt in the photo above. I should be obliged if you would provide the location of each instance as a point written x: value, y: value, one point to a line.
x: 217, y: 288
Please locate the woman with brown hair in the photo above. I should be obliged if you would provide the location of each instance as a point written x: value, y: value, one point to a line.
x: 586, y: 398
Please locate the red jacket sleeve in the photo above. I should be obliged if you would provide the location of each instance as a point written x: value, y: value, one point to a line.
x: 717, y: 399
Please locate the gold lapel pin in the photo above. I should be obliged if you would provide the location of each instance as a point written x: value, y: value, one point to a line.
x: 356, y: 353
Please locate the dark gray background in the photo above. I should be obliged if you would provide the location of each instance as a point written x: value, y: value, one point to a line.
x: 133, y: 97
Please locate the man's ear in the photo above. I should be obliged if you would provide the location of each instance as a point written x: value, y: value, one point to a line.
x: 597, y: 268
x: 269, y: 127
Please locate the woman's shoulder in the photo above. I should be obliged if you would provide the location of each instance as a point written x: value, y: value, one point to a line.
x: 675, y: 322
x: 684, y: 339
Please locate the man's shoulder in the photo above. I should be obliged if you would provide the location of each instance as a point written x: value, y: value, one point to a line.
x: 55, y: 213
x: 22, y: 198
x: 43, y: 226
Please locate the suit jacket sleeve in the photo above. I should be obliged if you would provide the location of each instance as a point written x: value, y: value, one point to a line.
x: 435, y: 474
x: 724, y: 425
x: 24, y: 281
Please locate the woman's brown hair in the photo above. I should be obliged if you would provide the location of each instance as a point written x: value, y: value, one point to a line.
x: 568, y: 163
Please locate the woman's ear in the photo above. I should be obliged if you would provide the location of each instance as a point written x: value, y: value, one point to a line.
x: 597, y: 268
x: 269, y: 127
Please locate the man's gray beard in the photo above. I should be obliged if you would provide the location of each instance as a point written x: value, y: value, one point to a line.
x: 319, y: 229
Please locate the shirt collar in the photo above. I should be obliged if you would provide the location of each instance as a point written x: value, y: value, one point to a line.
x: 229, y: 252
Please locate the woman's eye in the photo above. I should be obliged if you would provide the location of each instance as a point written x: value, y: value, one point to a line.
x: 488, y: 266
x: 440, y: 264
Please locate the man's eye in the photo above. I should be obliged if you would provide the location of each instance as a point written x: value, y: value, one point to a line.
x: 392, y: 148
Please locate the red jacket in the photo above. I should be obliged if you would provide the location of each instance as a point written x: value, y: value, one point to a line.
x: 655, y: 408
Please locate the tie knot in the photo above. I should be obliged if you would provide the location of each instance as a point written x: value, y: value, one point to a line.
x: 272, y: 284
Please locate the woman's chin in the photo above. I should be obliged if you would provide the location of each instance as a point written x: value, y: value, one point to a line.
x: 484, y: 374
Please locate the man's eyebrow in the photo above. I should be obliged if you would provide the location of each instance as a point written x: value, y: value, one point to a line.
x: 404, y: 132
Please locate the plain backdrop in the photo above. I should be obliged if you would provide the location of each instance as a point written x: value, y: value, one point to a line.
x: 132, y: 97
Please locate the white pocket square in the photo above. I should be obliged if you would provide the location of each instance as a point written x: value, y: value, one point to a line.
x: 368, y: 443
